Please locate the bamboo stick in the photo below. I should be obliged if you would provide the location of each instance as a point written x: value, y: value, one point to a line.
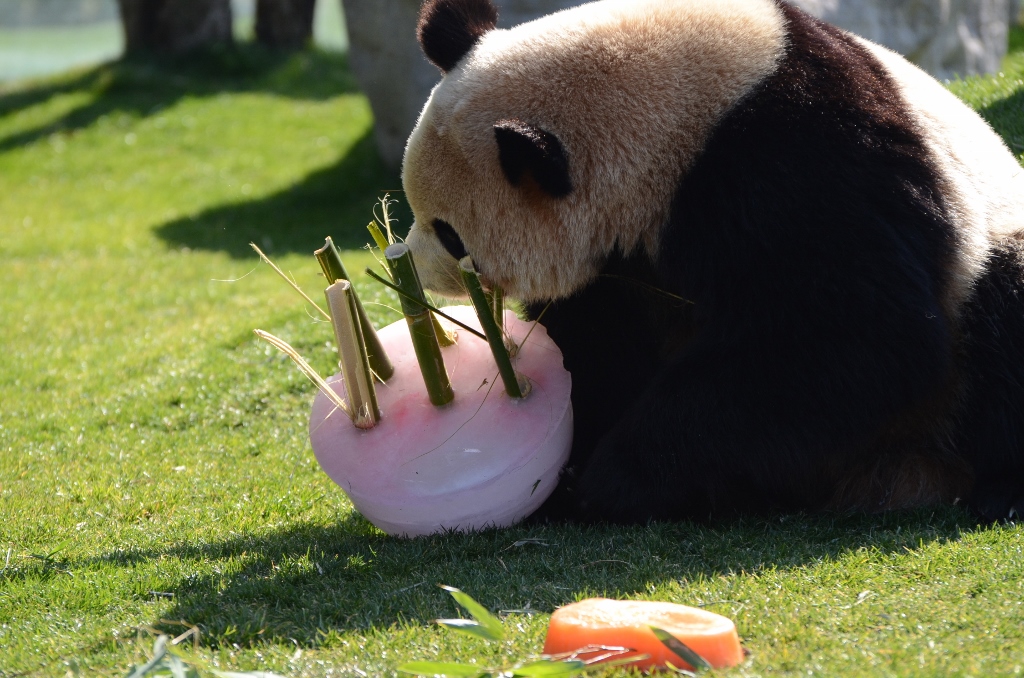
x: 444, y: 337
x: 421, y: 328
x: 433, y: 309
x: 515, y: 385
x: 378, y: 236
x: 355, y: 365
x: 334, y: 270
x: 496, y: 300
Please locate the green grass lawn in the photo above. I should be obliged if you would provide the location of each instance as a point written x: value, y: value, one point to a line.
x: 155, y: 472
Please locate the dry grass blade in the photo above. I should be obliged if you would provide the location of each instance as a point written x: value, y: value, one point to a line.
x: 385, y: 218
x: 284, y: 347
x: 288, y: 280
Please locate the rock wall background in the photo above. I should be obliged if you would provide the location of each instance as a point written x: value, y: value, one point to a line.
x: 945, y: 37
x: 390, y: 68
x: 21, y: 13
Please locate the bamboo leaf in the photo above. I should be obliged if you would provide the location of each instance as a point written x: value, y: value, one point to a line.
x: 468, y: 627
x: 681, y: 649
x: 442, y: 669
x: 180, y: 669
x: 478, y: 612
x: 159, y: 651
x: 548, y: 668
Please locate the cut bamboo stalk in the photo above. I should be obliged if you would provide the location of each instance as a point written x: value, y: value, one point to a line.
x: 515, y: 386
x: 334, y: 270
x: 355, y: 365
x: 443, y: 337
x: 378, y: 236
x: 433, y: 309
x: 496, y: 300
x: 421, y: 327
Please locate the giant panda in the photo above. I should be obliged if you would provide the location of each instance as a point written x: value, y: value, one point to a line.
x: 785, y: 266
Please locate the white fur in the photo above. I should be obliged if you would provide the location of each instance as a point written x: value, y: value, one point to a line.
x: 630, y: 87
x: 984, y: 183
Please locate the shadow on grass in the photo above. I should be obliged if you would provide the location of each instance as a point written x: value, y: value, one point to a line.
x: 335, y: 201
x: 305, y: 582
x: 144, y: 86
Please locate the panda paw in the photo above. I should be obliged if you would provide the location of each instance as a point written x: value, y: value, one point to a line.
x: 998, y: 504
x: 561, y: 505
x: 621, y: 485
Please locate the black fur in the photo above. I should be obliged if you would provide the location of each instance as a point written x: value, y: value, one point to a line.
x: 991, y: 434
x: 817, y: 367
x: 528, y: 151
x: 449, y: 239
x: 448, y: 29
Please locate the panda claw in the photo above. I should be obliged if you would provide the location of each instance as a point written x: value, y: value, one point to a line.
x: 1016, y: 513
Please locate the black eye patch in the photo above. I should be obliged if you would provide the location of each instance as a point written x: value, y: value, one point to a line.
x: 450, y: 239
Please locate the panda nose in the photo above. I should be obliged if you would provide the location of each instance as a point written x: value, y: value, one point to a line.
x: 450, y: 239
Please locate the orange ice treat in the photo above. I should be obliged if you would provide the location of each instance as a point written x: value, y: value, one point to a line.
x: 626, y: 623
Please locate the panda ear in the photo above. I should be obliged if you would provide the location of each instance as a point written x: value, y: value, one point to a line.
x: 448, y: 29
x: 524, y: 149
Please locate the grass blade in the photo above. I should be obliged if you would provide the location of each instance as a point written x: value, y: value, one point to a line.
x: 442, y: 669
x: 678, y: 671
x: 612, y: 663
x: 468, y: 627
x: 548, y: 668
x: 681, y: 649
x: 478, y: 612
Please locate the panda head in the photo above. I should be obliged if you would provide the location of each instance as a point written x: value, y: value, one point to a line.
x: 548, y: 146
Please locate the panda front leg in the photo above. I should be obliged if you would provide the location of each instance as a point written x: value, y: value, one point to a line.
x: 688, y: 448
x: 766, y: 425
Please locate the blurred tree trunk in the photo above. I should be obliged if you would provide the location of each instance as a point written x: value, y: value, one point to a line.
x: 174, y: 26
x: 284, y: 24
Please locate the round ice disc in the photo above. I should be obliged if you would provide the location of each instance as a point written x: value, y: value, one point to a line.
x: 484, y: 460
